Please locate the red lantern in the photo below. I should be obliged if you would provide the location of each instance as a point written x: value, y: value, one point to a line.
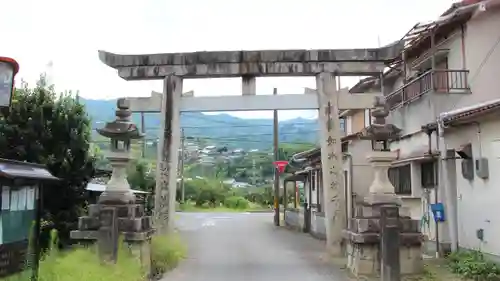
x: 280, y: 165
x: 8, y: 70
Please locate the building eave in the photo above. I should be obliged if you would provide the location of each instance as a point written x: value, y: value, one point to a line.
x: 468, y: 114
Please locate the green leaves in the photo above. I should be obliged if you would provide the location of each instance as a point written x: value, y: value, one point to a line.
x: 473, y: 265
x: 44, y: 127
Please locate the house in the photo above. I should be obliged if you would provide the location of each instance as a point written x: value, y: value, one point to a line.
x: 442, y: 92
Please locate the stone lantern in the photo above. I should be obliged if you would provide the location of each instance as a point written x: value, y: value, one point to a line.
x: 116, y: 213
x: 380, y: 133
x: 380, y: 241
x: 121, y: 131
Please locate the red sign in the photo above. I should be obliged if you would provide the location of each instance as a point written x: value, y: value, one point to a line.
x: 280, y: 165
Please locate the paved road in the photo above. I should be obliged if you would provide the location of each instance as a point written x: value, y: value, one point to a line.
x: 247, y: 247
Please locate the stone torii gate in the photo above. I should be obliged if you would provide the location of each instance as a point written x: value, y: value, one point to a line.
x: 325, y: 65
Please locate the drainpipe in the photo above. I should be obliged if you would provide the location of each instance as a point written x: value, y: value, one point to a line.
x: 350, y: 175
x: 450, y: 197
x: 436, y: 190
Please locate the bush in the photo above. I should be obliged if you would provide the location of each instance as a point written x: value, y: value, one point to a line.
x: 236, y: 202
x: 473, y: 265
x: 166, y: 252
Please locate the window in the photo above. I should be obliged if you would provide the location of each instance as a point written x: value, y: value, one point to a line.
x: 429, y: 174
x: 368, y: 117
x: 342, y: 124
x: 400, y: 178
x: 313, y: 180
x: 345, y: 146
x: 348, y: 125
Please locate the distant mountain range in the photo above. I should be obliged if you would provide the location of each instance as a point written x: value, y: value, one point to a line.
x: 221, y: 129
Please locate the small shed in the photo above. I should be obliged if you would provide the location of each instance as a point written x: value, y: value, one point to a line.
x: 20, y: 212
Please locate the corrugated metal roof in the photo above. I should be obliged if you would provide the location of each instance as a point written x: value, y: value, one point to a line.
x: 24, y: 170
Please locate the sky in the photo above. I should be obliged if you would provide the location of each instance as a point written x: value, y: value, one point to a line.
x: 68, y: 34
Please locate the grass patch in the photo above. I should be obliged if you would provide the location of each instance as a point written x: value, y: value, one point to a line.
x: 166, y: 253
x: 459, y: 266
x: 83, y: 264
x: 191, y: 207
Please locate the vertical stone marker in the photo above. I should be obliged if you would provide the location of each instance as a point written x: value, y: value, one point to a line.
x: 166, y: 177
x: 331, y: 158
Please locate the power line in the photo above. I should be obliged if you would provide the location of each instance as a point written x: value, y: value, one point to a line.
x: 233, y: 126
x: 224, y: 141
x: 239, y: 136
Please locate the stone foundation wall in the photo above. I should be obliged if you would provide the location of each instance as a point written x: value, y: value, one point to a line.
x: 318, y: 226
x: 294, y: 218
x: 364, y: 259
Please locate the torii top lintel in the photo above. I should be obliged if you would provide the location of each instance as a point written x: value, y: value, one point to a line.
x: 358, y: 62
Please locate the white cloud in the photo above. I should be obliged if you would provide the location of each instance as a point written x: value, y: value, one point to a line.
x: 69, y: 33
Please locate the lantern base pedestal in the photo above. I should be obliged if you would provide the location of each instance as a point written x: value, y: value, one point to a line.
x: 363, y: 240
x: 109, y: 225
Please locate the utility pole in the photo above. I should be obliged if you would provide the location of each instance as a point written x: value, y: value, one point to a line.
x: 254, y: 172
x: 276, y: 174
x: 143, y: 130
x: 182, y: 166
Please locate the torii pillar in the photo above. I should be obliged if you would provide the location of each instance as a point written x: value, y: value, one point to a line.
x: 168, y: 153
x: 331, y: 159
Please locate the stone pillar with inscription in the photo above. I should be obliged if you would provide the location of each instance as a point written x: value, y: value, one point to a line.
x: 331, y: 161
x: 166, y: 172
x: 116, y: 217
x: 377, y: 224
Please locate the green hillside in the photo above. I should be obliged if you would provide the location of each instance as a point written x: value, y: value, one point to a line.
x: 222, y: 129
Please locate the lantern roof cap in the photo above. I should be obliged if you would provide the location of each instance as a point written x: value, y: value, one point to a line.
x: 380, y: 130
x: 121, y: 128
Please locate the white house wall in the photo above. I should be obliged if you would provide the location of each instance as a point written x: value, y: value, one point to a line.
x: 481, y: 35
x: 417, y: 144
x: 478, y: 199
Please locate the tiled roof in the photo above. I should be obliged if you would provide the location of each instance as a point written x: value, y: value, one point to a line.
x: 470, y: 111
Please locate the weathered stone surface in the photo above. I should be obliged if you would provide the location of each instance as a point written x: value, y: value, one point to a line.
x: 368, y: 225
x: 364, y: 239
x: 134, y: 224
x: 84, y: 235
x: 348, y: 55
x: 88, y: 223
x: 374, y: 238
x: 251, y: 63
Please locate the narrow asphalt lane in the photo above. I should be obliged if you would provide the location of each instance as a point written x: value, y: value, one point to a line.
x: 247, y: 247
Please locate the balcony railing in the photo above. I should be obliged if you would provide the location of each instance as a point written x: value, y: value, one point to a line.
x: 438, y: 81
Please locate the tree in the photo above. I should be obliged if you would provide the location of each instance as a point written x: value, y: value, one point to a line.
x: 142, y: 177
x: 42, y: 127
